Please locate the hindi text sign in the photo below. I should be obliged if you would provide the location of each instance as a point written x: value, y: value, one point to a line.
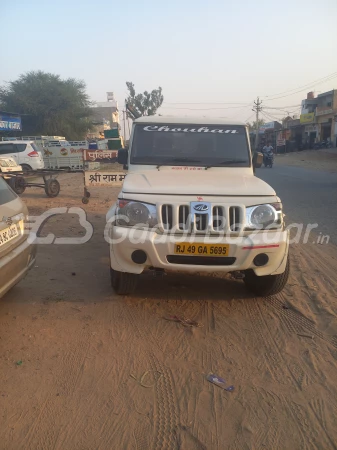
x: 100, y: 155
x: 104, y: 178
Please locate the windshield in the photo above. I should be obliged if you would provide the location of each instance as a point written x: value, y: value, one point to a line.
x: 6, y: 194
x: 193, y: 145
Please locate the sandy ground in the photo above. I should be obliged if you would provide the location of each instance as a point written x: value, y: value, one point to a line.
x: 311, y: 159
x: 82, y: 368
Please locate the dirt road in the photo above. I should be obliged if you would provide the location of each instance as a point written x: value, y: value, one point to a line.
x: 323, y: 160
x: 82, y: 368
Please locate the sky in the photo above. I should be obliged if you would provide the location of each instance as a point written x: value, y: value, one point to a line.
x: 211, y: 58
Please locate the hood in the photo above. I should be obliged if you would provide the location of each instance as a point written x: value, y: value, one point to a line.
x: 205, y: 182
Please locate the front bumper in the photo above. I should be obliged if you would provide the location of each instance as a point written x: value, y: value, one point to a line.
x: 15, y: 264
x: 242, y: 251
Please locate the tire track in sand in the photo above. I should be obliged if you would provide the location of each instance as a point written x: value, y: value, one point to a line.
x: 166, y: 415
x: 296, y: 322
x: 70, y: 370
x: 280, y: 368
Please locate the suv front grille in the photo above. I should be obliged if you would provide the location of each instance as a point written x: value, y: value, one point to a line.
x: 166, y: 212
x: 177, y: 218
x: 184, y: 212
x: 201, y: 260
x: 234, y: 218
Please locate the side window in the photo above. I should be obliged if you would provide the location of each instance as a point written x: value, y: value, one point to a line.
x: 6, y: 148
x: 20, y: 147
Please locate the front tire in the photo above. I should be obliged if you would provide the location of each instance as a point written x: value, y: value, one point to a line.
x: 266, y: 285
x: 123, y: 283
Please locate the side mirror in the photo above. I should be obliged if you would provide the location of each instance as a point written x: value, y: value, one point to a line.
x: 257, y: 160
x: 122, y: 157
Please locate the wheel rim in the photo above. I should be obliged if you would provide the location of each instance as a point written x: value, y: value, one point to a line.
x: 54, y: 187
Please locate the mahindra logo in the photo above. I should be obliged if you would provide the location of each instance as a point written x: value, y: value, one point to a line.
x: 201, y: 207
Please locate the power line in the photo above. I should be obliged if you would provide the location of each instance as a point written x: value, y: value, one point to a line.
x: 303, y: 88
x: 247, y: 120
x: 204, y: 103
x: 282, y: 107
x: 271, y: 117
x: 268, y: 117
x: 243, y: 107
x: 204, y: 109
x: 279, y: 111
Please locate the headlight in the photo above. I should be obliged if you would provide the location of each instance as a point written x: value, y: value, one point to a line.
x: 130, y: 214
x: 264, y: 216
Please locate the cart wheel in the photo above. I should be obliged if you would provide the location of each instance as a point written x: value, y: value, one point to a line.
x: 52, y: 188
x: 86, y: 193
x: 18, y: 184
x: 85, y: 200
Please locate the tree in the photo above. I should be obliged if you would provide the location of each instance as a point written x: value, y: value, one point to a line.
x: 252, y: 127
x: 145, y: 104
x: 48, y: 104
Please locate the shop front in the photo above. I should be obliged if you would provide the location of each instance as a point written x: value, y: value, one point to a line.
x: 325, y: 118
x: 310, y: 135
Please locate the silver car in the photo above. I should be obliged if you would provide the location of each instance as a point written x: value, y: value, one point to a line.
x: 17, y: 255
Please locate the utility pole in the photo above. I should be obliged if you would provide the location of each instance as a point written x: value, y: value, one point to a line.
x: 124, y: 113
x: 128, y: 121
x: 257, y: 108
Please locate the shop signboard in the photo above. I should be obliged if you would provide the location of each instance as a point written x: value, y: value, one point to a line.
x: 112, y: 178
x: 281, y: 138
x: 10, y: 123
x: 311, y: 128
x: 266, y: 126
x: 307, y: 118
x: 323, y: 110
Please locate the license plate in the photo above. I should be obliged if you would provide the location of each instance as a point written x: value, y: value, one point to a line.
x: 197, y: 249
x: 8, y: 234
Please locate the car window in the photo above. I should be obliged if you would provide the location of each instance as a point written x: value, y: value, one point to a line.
x: 6, y: 194
x: 6, y: 148
x: 20, y: 147
x: 35, y: 147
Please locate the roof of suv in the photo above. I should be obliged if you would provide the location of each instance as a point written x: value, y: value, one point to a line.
x: 188, y: 120
x: 17, y: 141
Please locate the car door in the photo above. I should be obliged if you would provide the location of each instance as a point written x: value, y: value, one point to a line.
x: 9, y: 149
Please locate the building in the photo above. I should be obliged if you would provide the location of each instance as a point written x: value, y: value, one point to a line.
x: 105, y: 116
x: 319, y: 117
x: 268, y: 133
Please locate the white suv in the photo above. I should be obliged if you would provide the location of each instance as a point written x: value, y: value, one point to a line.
x: 25, y: 153
x: 191, y: 202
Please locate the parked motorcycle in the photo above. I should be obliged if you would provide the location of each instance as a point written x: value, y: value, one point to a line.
x: 322, y: 144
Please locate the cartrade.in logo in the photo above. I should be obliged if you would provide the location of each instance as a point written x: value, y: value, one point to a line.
x: 35, y: 224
